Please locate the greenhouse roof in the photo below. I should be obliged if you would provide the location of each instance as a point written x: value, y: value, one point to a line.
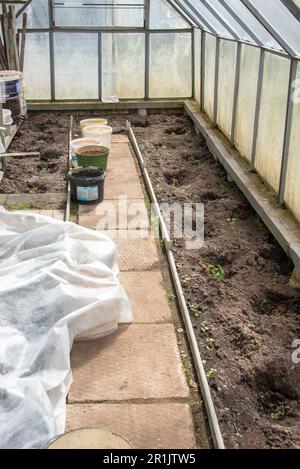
x: 273, y: 24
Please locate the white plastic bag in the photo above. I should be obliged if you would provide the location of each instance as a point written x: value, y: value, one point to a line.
x: 58, y: 281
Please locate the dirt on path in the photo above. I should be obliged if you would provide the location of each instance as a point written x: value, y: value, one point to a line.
x: 244, y: 314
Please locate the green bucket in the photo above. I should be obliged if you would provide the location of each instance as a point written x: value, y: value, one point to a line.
x: 92, y: 155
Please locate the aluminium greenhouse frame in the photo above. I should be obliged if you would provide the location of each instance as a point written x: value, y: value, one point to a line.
x: 287, y: 51
x: 102, y: 30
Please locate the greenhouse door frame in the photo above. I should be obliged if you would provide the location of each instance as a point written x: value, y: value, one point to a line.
x: 146, y: 30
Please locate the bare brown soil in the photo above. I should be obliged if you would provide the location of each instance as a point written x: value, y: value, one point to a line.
x: 244, y: 314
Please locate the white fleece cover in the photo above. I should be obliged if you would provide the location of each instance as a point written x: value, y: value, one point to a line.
x: 58, y: 281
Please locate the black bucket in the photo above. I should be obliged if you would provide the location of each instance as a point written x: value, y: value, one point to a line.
x: 87, y: 185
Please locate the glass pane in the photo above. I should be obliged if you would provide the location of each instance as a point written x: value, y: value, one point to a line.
x: 99, y: 13
x: 76, y: 65
x: 37, y: 15
x: 233, y: 24
x: 123, y: 65
x: 227, y: 66
x: 209, y: 81
x: 282, y: 20
x: 256, y: 27
x: 37, y: 58
x: 197, y: 64
x: 163, y: 16
x: 210, y: 18
x: 170, y: 65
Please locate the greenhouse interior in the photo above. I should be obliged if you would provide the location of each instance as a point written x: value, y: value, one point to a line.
x: 150, y: 226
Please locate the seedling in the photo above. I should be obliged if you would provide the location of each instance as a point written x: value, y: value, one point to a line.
x: 211, y: 372
x: 279, y: 413
x: 204, y: 327
x: 195, y: 162
x: 40, y: 141
x: 45, y: 169
x: 225, y: 188
x: 33, y: 190
x: 185, y: 279
x: 171, y: 296
x: 194, y: 309
x: 215, y: 271
x: 231, y: 220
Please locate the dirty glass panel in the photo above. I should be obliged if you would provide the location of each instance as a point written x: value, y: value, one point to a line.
x: 37, y: 58
x: 197, y: 63
x: 246, y: 100
x: 163, y: 16
x: 76, y: 65
x: 123, y: 65
x: 292, y: 193
x: 247, y: 17
x: 226, y: 16
x: 170, y: 65
x: 210, y: 18
x: 209, y: 83
x: 227, y: 68
x: 282, y: 20
x: 37, y: 15
x: 272, y: 117
x: 99, y: 13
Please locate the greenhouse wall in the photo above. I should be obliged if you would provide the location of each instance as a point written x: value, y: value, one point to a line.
x: 265, y: 150
x: 85, y: 55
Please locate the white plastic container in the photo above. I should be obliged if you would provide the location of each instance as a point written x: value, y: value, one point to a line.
x: 7, y: 118
x: 101, y: 132
x: 95, y: 121
x: 82, y: 142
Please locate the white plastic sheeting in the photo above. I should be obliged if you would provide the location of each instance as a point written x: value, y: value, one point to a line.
x: 58, y: 282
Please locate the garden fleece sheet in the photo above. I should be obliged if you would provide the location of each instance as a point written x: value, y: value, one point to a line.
x: 58, y: 282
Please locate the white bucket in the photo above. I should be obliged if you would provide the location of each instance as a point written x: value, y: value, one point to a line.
x: 95, y: 121
x: 82, y: 142
x: 102, y: 132
x: 7, y: 118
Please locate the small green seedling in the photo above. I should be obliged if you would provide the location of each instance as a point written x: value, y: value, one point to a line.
x: 171, y: 296
x: 40, y: 141
x: 279, y: 413
x: 231, y: 220
x: 215, y: 271
x: 33, y: 190
x: 185, y: 279
x: 45, y: 169
x: 211, y: 372
x: 204, y: 327
x: 194, y: 309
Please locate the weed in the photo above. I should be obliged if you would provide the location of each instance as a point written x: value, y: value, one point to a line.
x: 225, y: 188
x: 279, y: 413
x: 33, y: 190
x: 171, y: 296
x: 195, y: 162
x: 40, y: 141
x: 204, y: 327
x: 45, y: 169
x: 185, y: 279
x: 215, y: 271
x: 194, y: 309
x: 211, y: 372
x: 231, y: 220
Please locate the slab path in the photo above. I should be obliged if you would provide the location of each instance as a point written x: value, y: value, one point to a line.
x: 132, y: 382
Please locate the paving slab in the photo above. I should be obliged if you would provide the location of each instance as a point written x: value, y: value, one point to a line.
x: 115, y: 214
x: 120, y: 138
x: 128, y: 185
x: 147, y: 296
x: 145, y: 426
x: 136, y: 362
x: 136, y: 250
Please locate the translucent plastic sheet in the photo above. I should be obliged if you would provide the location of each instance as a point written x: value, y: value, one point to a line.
x: 58, y: 281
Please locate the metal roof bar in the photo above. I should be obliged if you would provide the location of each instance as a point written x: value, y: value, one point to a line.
x: 201, y: 17
x: 276, y: 35
x: 241, y: 22
x: 180, y: 12
x: 292, y: 7
x: 220, y: 19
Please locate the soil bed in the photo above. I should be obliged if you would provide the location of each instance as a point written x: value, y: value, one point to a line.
x: 244, y: 314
